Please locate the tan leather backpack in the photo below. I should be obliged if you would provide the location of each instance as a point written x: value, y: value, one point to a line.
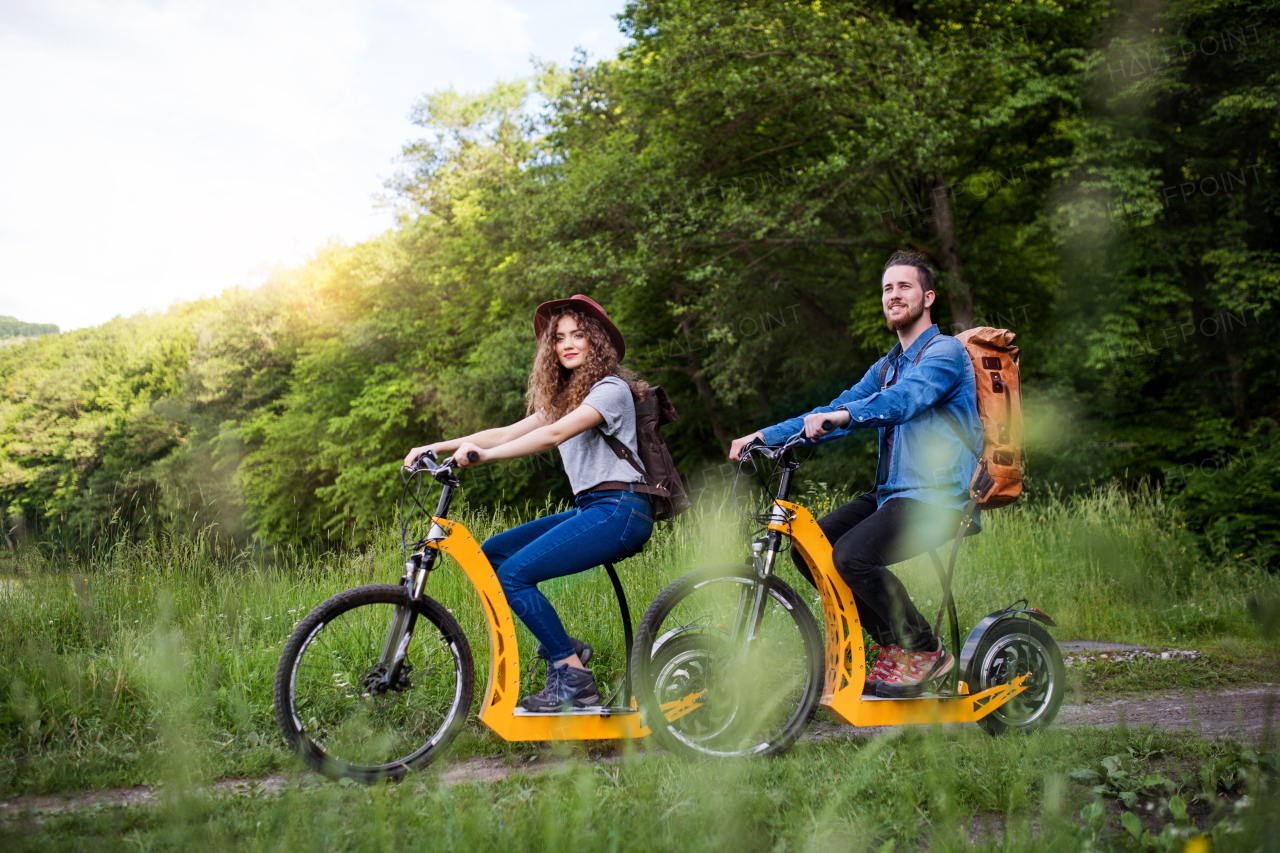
x: 995, y: 368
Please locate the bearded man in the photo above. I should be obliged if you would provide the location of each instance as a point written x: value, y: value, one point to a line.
x: 927, y: 415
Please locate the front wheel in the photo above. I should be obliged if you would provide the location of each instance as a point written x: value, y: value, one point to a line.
x: 332, y: 699
x: 1010, y: 648
x: 709, y: 682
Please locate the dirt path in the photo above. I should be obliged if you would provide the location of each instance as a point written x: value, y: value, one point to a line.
x: 1239, y: 714
x: 1245, y: 715
x: 470, y: 770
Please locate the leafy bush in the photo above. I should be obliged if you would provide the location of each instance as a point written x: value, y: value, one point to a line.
x: 1230, y: 499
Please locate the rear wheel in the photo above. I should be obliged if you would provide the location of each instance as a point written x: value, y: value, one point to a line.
x: 332, y: 701
x: 704, y: 687
x: 1010, y: 648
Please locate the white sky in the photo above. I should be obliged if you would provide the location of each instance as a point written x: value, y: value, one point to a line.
x: 157, y: 151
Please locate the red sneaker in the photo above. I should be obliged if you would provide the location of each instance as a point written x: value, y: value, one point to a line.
x: 914, y: 672
x: 885, y: 663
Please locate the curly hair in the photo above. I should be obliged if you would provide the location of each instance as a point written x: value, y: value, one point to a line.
x: 555, y: 390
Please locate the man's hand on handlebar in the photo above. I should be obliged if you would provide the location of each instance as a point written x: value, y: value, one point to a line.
x: 469, y: 454
x: 735, y: 449
x: 819, y: 424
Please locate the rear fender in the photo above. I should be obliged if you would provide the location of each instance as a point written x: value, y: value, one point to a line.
x: 988, y: 622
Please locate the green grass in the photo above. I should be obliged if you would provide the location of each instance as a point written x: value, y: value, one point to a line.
x: 1227, y: 662
x: 1109, y: 566
x: 955, y: 790
x: 169, y: 647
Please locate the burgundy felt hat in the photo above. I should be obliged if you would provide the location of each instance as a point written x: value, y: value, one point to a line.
x: 586, y: 305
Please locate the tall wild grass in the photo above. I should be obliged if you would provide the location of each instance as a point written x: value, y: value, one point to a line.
x: 161, y: 654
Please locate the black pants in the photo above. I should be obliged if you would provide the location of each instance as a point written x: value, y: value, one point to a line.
x: 865, y: 540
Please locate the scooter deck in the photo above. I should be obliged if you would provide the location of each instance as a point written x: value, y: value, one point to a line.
x: 588, y: 711
x: 874, y: 711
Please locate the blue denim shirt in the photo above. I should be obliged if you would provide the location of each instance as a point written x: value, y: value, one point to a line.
x: 929, y: 462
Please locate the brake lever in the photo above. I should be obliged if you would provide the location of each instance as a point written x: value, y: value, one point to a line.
x: 795, y: 441
x: 428, y: 463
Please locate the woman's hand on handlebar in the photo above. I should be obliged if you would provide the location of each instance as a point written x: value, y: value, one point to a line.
x: 819, y: 424
x: 468, y: 453
x: 735, y: 449
x: 412, y: 457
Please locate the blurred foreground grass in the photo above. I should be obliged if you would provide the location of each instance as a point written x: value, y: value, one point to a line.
x: 920, y: 789
x: 161, y: 654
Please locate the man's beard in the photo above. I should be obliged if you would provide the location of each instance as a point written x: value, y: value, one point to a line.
x: 907, y: 319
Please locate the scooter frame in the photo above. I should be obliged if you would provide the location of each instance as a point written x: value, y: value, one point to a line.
x: 845, y: 659
x: 844, y: 678
x: 499, y: 706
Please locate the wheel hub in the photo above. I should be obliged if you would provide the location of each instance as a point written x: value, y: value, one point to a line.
x: 1015, y: 657
x: 376, y: 682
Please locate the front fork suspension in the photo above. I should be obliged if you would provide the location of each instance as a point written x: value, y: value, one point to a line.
x: 751, y: 600
x: 391, y: 665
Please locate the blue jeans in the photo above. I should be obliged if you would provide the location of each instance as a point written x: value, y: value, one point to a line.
x: 606, y: 526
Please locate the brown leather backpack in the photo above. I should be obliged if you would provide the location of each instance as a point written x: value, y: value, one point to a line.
x: 661, y: 480
x: 995, y: 366
x: 998, y: 480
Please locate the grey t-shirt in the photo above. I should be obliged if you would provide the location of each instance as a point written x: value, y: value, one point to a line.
x: 588, y: 459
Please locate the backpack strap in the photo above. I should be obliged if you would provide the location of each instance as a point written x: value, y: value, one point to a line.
x: 924, y: 347
x: 624, y: 453
x: 884, y: 368
x: 955, y: 427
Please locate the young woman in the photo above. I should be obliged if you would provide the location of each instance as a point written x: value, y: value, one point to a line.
x: 576, y: 395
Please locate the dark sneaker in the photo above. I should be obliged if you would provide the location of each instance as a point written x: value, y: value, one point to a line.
x: 915, y: 672
x: 567, y: 687
x: 583, y: 650
x: 885, y: 663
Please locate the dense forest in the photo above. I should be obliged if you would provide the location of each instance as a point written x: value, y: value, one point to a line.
x: 12, y: 329
x: 1099, y: 176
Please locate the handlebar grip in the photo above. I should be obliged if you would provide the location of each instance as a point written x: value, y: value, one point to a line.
x: 423, y: 461
x: 472, y: 456
x: 828, y: 426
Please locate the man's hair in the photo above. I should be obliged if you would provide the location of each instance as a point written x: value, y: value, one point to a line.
x: 917, y: 260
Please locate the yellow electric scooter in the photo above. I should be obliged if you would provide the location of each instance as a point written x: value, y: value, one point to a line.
x: 728, y: 660
x: 379, y: 679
